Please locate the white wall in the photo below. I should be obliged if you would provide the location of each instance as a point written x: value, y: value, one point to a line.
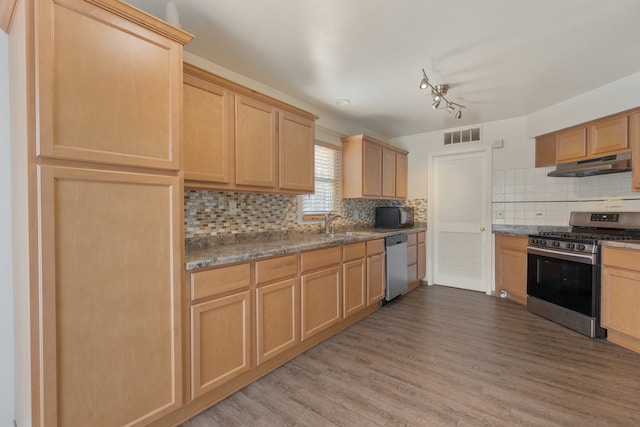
x: 611, y: 98
x: 325, y: 120
x: 7, y: 378
x: 518, y: 151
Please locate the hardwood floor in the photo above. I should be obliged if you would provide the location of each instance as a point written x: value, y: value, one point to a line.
x: 445, y: 357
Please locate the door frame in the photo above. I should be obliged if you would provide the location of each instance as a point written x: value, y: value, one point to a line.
x: 488, y: 256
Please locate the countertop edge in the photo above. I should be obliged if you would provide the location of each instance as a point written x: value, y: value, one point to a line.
x: 229, y: 254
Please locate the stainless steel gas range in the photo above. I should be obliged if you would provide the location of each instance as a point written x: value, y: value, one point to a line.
x: 563, y: 269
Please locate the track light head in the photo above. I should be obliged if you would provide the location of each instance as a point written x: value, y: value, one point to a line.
x: 424, y: 84
x: 438, y: 93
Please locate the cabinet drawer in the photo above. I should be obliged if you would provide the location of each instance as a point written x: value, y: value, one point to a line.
x: 421, y: 237
x: 517, y: 243
x: 375, y: 247
x: 412, y: 239
x: 354, y: 251
x: 276, y: 268
x: 220, y: 280
x: 412, y: 255
x: 621, y: 258
x: 319, y: 258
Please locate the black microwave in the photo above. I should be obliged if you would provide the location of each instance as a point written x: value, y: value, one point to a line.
x: 395, y: 217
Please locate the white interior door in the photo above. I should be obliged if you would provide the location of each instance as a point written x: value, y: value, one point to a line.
x: 459, y: 228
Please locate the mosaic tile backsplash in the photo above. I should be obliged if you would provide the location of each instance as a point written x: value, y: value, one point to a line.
x: 217, y: 213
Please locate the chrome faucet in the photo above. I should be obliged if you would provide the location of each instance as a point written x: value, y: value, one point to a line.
x: 328, y: 219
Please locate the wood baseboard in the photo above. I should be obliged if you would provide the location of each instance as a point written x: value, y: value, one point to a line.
x: 624, y: 340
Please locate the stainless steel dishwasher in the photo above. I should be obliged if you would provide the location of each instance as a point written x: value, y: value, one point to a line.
x: 396, y: 266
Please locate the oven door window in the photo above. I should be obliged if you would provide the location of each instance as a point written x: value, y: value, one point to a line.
x: 568, y: 284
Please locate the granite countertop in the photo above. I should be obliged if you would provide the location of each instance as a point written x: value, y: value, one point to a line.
x: 200, y: 253
x: 626, y: 244
x: 523, y: 230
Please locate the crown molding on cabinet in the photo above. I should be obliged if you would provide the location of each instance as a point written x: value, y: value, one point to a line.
x: 7, y: 9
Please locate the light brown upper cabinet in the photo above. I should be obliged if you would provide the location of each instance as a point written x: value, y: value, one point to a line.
x: 571, y: 144
x: 634, y: 143
x: 238, y: 139
x: 546, y: 150
x: 208, y: 133
x: 296, y: 157
x: 256, y: 143
x: 597, y: 138
x: 372, y: 169
x: 109, y: 90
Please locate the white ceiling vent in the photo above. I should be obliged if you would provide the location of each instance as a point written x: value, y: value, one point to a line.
x: 462, y: 135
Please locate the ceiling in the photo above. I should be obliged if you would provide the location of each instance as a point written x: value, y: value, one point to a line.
x: 504, y: 59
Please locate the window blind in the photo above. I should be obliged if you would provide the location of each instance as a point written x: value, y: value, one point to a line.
x: 327, y: 183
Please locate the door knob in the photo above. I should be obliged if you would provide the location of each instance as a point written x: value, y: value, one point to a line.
x: 481, y: 228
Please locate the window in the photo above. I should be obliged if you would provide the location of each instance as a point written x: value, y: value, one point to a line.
x: 327, y: 183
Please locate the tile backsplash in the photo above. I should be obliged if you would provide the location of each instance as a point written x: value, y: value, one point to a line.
x: 530, y: 197
x: 216, y: 213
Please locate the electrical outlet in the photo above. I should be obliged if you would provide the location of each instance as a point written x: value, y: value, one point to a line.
x: 290, y: 216
x: 356, y: 214
x: 232, y: 208
x: 539, y: 214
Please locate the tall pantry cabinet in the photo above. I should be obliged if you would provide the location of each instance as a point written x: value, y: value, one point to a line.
x: 96, y: 99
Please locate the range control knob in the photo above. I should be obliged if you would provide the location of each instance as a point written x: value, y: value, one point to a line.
x: 535, y: 241
x: 543, y: 242
x: 556, y: 244
x: 581, y: 247
x: 570, y: 246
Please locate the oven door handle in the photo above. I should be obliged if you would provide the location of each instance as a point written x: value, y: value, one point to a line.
x: 583, y: 259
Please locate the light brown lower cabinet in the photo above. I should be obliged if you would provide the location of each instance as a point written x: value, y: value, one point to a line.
x: 416, y: 259
x: 277, y: 318
x: 375, y: 271
x: 422, y: 257
x: 511, y: 267
x: 321, y: 300
x: 621, y: 295
x: 220, y: 341
x: 354, y: 278
x: 110, y: 289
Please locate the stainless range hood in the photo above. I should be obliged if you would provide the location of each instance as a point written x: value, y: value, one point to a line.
x: 601, y: 165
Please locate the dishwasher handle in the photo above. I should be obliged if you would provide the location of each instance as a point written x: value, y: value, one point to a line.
x: 395, y: 240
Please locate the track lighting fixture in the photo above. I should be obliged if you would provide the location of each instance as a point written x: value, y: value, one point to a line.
x: 437, y: 93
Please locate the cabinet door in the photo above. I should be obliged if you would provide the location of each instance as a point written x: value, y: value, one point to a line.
x: 354, y: 286
x: 402, y: 168
x: 608, y: 136
x: 634, y: 143
x: 511, y: 267
x: 546, y: 150
x: 122, y: 110
x: 620, y: 294
x: 207, y: 132
x: 371, y: 169
x: 296, y: 157
x: 571, y: 144
x: 256, y: 143
x: 375, y: 279
x: 388, y: 173
x: 110, y: 286
x: 422, y: 261
x: 321, y: 301
x: 277, y: 318
x: 220, y: 341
